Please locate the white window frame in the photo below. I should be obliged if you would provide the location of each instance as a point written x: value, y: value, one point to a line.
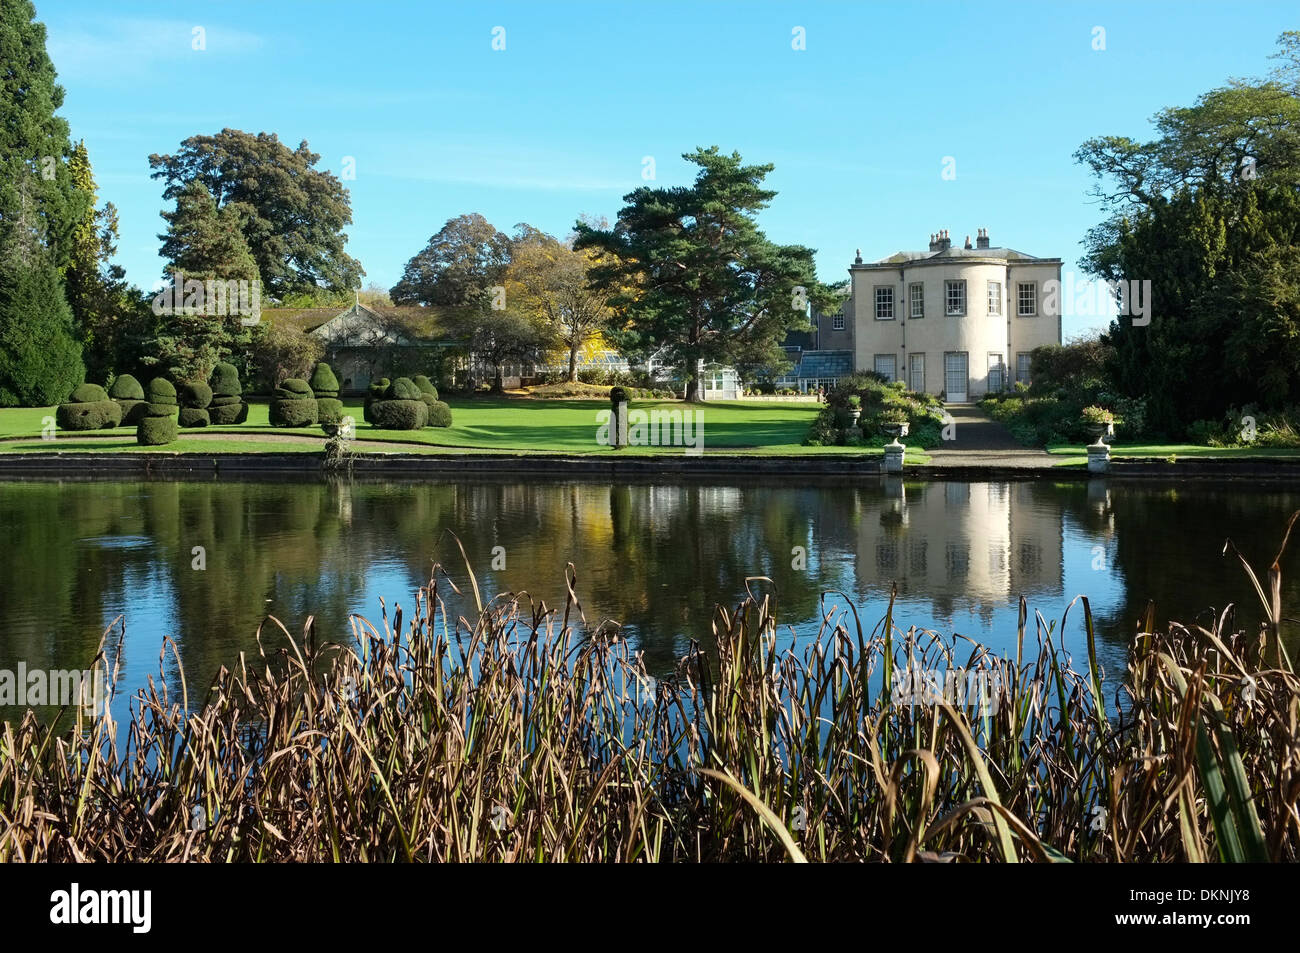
x: 875, y: 365
x: 837, y: 321
x: 1025, y: 358
x: 949, y: 286
x: 876, y: 297
x: 995, y: 297
x: 997, y: 361
x: 917, y: 301
x: 911, y: 371
x: 1020, y: 299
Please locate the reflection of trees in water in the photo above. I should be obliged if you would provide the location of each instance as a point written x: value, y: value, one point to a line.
x: 657, y: 558
x: 1166, y: 537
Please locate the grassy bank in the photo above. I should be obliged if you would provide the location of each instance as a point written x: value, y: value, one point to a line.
x: 527, y: 735
x: 481, y: 423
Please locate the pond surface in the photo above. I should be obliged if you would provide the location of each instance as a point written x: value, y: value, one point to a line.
x: 656, y: 557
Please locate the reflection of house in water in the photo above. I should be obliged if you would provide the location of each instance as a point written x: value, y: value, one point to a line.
x: 976, y: 546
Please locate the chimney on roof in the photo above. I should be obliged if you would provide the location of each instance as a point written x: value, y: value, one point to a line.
x: 968, y: 244
x: 858, y: 259
x: 982, y: 239
x: 943, y: 243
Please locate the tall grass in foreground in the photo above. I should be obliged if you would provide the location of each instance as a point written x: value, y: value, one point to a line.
x: 510, y: 737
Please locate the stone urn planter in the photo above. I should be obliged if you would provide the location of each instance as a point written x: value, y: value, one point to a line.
x: 1097, y: 423
x: 894, y: 425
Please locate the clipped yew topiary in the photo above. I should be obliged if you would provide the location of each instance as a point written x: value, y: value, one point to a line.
x: 88, y: 408
x: 128, y: 393
x: 227, y: 406
x: 425, y: 385
x: 375, y: 392
x: 401, y: 408
x: 439, y: 412
x: 158, y: 425
x: 294, y: 405
x: 399, y: 414
x: 195, y: 398
x: 329, y: 409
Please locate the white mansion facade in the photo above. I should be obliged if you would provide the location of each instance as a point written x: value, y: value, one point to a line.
x: 958, y: 322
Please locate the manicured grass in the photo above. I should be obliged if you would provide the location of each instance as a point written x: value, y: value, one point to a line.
x: 479, y: 424
x: 1074, y: 454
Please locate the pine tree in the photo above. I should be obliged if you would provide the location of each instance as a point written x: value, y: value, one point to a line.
x: 40, y: 359
x: 39, y: 202
x: 110, y: 319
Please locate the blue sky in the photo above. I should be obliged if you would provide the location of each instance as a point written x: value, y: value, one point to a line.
x: 558, y: 123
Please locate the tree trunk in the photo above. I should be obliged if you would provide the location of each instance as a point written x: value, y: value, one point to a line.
x: 498, y: 382
x: 573, y: 364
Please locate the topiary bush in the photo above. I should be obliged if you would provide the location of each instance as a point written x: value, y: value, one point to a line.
x: 156, y: 431
x: 158, y: 425
x: 402, y: 389
x: 375, y: 392
x: 294, y: 405
x: 399, y: 414
x: 425, y: 385
x: 323, y: 382
x: 88, y: 408
x: 227, y: 406
x: 195, y: 394
x: 129, y: 395
x: 329, y: 410
x: 193, y: 417
x: 439, y: 413
x: 161, y: 391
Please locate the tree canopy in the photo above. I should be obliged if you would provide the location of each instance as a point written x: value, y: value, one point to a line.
x: 465, y: 258
x: 696, y: 278
x: 294, y: 213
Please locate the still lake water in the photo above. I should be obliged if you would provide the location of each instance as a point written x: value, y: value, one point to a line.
x: 656, y: 557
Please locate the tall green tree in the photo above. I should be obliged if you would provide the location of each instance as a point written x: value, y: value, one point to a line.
x: 110, y: 317
x: 39, y: 202
x: 202, y: 243
x: 294, y: 213
x: 1208, y: 206
x: 696, y: 278
x: 465, y: 258
x: 40, y: 359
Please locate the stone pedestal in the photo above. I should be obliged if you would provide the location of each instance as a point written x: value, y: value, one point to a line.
x: 1098, y: 458
x: 894, y: 457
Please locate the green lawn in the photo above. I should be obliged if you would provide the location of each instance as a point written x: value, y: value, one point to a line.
x: 481, y: 424
x: 1073, y: 454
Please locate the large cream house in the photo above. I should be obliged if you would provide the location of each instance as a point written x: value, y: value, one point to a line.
x: 957, y: 322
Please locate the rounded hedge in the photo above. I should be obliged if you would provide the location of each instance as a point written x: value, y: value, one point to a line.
x: 160, y: 410
x: 126, y: 387
x: 439, y: 413
x: 88, y: 415
x: 425, y: 385
x: 329, y: 410
x: 225, y: 381
x: 195, y: 394
x: 293, y: 413
x: 399, y: 414
x: 294, y: 388
x: 403, y: 388
x: 224, y: 415
x: 161, y: 391
x: 132, y: 411
x: 156, y: 431
x: 87, y: 394
x: 323, y: 381
x: 224, y: 400
x: 193, y: 417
